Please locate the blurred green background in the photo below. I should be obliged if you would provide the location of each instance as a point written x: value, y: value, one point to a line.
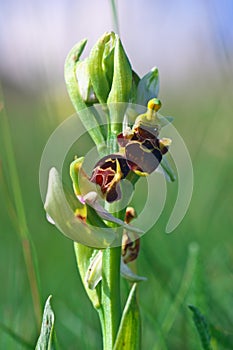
x: 192, y: 45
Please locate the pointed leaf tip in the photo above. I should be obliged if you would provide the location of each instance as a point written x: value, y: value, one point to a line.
x: 46, y: 339
x: 202, y: 327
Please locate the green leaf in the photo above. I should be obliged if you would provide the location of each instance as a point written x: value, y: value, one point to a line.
x: 84, y: 258
x: 128, y: 336
x: 148, y: 87
x: 98, y: 69
x: 202, y: 328
x: 46, y: 339
x: 61, y: 213
x: 87, y: 117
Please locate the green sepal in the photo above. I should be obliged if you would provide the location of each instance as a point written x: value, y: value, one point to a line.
x: 75, y: 167
x: 87, y: 117
x: 79, y: 178
x: 122, y: 75
x: 121, y: 86
x: 128, y: 274
x: 129, y: 333
x: 84, y: 257
x: 97, y: 68
x: 84, y: 82
x: 108, y: 59
x: 47, y: 340
x: 135, y: 82
x: 148, y: 87
x: 94, y: 272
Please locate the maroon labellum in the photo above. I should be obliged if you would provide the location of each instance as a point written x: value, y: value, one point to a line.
x: 107, y: 174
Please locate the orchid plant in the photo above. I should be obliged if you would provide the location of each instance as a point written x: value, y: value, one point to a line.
x: 129, y: 147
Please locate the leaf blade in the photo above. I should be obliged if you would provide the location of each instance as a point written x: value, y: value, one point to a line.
x: 46, y: 340
x: 83, y: 258
x: 128, y: 336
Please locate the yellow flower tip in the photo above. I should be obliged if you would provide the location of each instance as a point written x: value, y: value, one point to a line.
x: 154, y: 104
x: 141, y: 173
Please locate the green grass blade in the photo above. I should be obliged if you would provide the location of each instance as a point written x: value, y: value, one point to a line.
x: 182, y: 292
x: 202, y: 328
x: 16, y: 337
x: 9, y: 163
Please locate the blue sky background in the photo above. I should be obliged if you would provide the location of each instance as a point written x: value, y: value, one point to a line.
x: 180, y: 37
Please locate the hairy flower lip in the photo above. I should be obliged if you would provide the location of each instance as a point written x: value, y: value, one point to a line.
x: 143, y: 149
x: 142, y: 152
x: 142, y: 159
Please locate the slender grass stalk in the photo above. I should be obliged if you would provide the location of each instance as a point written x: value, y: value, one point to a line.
x: 23, y: 231
x: 156, y: 326
x: 16, y: 337
x: 115, y: 16
x: 182, y: 292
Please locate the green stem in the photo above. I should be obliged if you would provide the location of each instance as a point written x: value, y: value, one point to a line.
x: 115, y: 16
x: 111, y: 294
x: 111, y: 297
